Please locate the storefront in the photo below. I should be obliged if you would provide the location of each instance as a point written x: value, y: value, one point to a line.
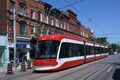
x: 4, y: 56
x: 22, y: 50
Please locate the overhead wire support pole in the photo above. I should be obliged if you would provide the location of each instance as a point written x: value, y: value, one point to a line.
x: 14, y: 26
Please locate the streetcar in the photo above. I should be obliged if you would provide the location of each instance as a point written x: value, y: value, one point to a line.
x: 57, y: 52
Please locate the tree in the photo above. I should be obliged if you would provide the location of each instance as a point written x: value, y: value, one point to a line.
x: 47, y: 8
x: 102, y: 40
x: 33, y: 43
x: 55, y: 12
x: 114, y: 47
x: 92, y: 39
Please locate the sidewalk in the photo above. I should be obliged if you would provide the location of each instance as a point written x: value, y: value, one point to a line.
x: 3, y: 69
x: 16, y: 73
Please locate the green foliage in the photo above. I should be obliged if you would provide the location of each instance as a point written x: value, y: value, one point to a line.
x: 61, y: 16
x: 47, y: 7
x: 33, y: 40
x: 114, y: 46
x: 55, y: 12
x: 102, y: 40
x: 91, y: 39
x: 33, y: 45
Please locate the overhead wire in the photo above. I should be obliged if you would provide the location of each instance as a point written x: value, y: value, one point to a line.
x: 107, y: 34
x: 85, y: 16
x: 70, y: 4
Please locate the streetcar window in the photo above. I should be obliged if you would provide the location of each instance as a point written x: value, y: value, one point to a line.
x: 97, y: 50
x: 70, y: 50
x: 102, y: 50
x: 89, y: 50
x: 106, y: 50
x: 65, y: 48
x: 47, y: 49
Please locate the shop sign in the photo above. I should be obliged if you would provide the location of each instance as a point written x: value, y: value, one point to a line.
x: 21, y: 45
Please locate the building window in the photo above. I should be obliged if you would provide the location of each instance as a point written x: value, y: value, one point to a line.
x: 11, y: 23
x: 65, y: 26
x: 46, y: 19
x: 83, y: 34
x: 12, y: 6
x: 32, y: 14
x: 56, y: 22
x: 47, y: 31
x: 61, y: 25
x: 39, y: 16
x: 32, y: 29
x: 68, y: 27
x: 51, y: 21
x: 23, y: 29
x: 22, y: 10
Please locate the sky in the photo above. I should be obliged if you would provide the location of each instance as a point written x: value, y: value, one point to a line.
x: 101, y: 16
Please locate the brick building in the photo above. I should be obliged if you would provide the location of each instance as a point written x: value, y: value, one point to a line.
x: 86, y: 32
x: 74, y: 24
x: 35, y: 18
x: 29, y: 15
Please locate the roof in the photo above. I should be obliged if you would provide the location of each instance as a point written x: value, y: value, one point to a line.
x: 57, y: 37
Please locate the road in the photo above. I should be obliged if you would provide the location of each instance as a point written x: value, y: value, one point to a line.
x: 104, y: 69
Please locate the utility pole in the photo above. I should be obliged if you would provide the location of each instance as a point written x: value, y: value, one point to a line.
x: 14, y: 26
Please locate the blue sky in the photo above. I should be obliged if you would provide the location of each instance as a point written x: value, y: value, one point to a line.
x: 102, y: 16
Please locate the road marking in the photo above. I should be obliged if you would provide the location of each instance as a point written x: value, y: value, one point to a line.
x: 110, y: 69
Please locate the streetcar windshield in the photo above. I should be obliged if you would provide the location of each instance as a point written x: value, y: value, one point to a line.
x: 47, y: 49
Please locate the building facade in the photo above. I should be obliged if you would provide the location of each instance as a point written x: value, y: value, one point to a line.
x: 33, y: 18
x: 3, y: 35
x: 86, y: 32
x: 29, y: 16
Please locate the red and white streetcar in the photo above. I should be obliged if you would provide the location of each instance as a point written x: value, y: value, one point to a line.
x: 57, y: 52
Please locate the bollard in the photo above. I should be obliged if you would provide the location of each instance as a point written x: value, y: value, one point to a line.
x: 29, y: 65
x: 9, y: 69
x: 23, y: 67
